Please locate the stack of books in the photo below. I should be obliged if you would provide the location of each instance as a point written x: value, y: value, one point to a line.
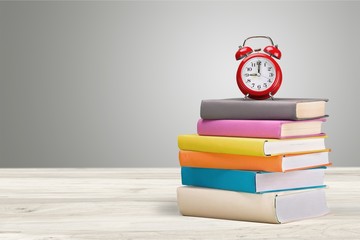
x: 252, y: 160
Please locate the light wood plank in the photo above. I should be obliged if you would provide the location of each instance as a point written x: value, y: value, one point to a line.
x: 139, y: 203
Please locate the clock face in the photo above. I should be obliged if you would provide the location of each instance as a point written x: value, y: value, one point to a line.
x: 258, y: 74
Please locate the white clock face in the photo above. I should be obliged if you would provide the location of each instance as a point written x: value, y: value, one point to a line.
x: 258, y: 74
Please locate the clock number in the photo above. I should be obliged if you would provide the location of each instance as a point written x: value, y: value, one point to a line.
x: 265, y: 85
x: 269, y: 68
x: 265, y: 64
x: 246, y: 74
x: 253, y: 64
x: 271, y: 74
x: 248, y: 80
x: 248, y: 69
x: 269, y: 81
x: 252, y: 85
x: 259, y: 87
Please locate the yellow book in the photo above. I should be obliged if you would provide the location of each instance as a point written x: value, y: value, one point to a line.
x: 250, y: 146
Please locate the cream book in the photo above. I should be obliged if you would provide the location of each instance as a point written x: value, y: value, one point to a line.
x: 280, y: 207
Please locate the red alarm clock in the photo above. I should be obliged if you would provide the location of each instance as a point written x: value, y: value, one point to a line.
x: 259, y: 76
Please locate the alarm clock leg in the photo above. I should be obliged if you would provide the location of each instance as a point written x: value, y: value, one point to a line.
x: 271, y: 96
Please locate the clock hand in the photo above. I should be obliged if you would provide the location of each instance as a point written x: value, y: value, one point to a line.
x: 258, y: 63
x: 264, y: 76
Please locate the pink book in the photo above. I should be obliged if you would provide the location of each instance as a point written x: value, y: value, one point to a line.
x: 261, y: 128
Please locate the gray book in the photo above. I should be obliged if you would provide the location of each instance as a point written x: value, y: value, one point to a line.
x: 277, y: 109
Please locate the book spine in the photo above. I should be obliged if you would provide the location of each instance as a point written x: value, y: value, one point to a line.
x: 230, y: 161
x: 232, y: 180
x: 240, y: 128
x: 248, y: 110
x: 213, y: 203
x: 229, y: 145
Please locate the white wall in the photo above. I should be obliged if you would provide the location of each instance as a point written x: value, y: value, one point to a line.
x: 88, y: 84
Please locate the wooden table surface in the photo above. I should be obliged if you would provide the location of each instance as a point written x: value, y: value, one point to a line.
x: 139, y: 203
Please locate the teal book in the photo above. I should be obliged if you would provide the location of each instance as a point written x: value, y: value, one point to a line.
x: 253, y: 181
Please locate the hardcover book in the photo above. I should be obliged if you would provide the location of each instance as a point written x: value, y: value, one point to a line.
x: 250, y: 146
x: 280, y: 163
x: 260, y: 128
x: 279, y: 108
x: 252, y: 181
x: 280, y: 207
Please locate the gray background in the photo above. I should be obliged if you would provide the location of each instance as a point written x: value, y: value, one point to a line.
x: 112, y: 84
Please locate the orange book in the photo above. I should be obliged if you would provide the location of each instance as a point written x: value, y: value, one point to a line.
x: 280, y: 163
